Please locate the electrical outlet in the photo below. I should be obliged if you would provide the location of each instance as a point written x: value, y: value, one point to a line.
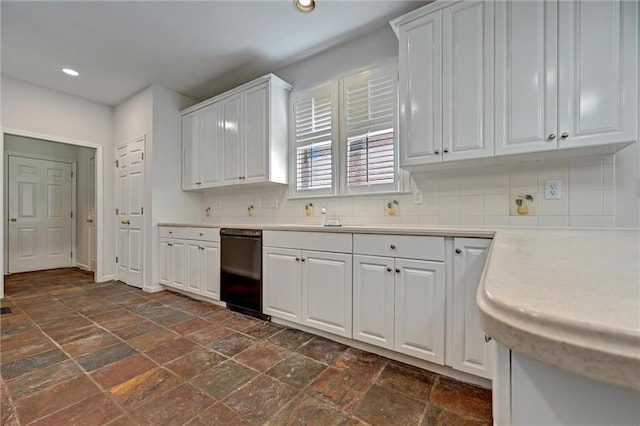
x: 552, y: 190
x: 417, y: 197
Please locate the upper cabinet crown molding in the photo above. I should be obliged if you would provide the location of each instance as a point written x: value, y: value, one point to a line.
x: 565, y: 76
x: 238, y: 137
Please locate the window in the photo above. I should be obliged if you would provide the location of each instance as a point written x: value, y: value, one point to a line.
x: 347, y: 144
x: 369, y: 104
x: 313, y: 119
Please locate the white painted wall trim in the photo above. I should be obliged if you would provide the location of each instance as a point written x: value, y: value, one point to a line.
x: 99, y: 191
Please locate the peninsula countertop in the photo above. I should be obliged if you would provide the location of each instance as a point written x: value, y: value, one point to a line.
x: 566, y: 297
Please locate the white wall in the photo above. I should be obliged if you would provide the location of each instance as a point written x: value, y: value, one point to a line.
x: 375, y: 48
x: 169, y: 203
x: 42, y: 113
x: 155, y: 113
x: 83, y: 205
x: 628, y: 187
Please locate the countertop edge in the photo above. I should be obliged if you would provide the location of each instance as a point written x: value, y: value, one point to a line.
x: 560, y: 342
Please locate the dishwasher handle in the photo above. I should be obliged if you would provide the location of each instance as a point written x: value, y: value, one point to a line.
x: 242, y: 233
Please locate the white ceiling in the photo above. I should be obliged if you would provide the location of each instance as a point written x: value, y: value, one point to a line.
x: 191, y: 47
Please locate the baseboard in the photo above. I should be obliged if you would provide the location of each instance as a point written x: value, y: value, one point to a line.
x: 155, y: 289
x: 106, y: 278
x: 82, y: 266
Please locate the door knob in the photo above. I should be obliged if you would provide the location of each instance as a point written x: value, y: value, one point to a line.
x: 458, y: 251
x: 89, y: 220
x: 436, y: 152
x: 564, y: 135
x: 297, y: 259
x: 389, y: 268
x: 398, y: 270
x: 552, y: 136
x: 446, y: 150
x: 13, y: 219
x: 487, y: 339
x: 393, y: 246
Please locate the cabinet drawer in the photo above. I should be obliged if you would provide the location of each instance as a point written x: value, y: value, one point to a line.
x: 406, y: 246
x: 190, y: 233
x: 320, y: 241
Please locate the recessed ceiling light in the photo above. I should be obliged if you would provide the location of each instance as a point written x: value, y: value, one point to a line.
x: 70, y: 72
x: 305, y: 6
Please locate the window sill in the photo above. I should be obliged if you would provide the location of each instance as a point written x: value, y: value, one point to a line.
x: 364, y: 194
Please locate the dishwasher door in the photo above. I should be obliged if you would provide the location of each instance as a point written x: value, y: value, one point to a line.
x: 241, y: 268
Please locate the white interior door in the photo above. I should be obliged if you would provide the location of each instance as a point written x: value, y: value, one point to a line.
x: 130, y: 208
x: 91, y: 217
x: 39, y: 214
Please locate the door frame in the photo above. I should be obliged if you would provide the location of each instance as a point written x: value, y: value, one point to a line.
x: 99, y: 275
x: 74, y: 167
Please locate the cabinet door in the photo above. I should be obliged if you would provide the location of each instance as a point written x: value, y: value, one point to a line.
x: 179, y: 257
x: 191, y: 131
x: 598, y: 65
x: 470, y: 351
x: 326, y: 291
x: 282, y: 283
x: 211, y: 270
x: 419, y: 309
x: 526, y: 76
x: 211, y: 148
x: 373, y: 300
x: 256, y: 133
x: 192, y: 267
x: 165, y: 262
x: 467, y: 82
x: 420, y: 91
x: 232, y: 113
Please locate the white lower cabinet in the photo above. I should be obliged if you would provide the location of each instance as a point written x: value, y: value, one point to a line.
x: 399, y: 305
x: 470, y: 350
x: 327, y: 291
x: 189, y: 264
x: 308, y: 287
x: 282, y: 283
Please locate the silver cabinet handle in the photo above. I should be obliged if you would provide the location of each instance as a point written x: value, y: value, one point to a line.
x: 397, y: 270
x: 297, y: 259
x: 388, y: 268
x: 393, y: 246
x: 458, y: 251
x: 552, y: 136
x: 446, y: 150
x: 303, y: 259
x: 564, y: 135
x: 436, y: 152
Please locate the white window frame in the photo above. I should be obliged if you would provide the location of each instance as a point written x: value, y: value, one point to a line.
x: 339, y: 144
x: 394, y: 187
x: 306, y: 193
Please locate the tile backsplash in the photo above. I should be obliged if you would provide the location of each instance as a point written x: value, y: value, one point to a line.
x: 478, y: 197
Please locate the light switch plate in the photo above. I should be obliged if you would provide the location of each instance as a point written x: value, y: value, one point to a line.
x: 417, y: 197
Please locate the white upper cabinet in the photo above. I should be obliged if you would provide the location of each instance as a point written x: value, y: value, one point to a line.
x: 420, y: 90
x: 483, y: 78
x: 467, y: 83
x: 238, y: 137
x: 191, y: 136
x: 598, y: 72
x: 566, y: 74
x: 446, y: 84
x: 232, y: 111
x: 526, y: 69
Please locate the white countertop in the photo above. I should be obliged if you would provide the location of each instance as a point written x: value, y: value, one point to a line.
x: 569, y: 298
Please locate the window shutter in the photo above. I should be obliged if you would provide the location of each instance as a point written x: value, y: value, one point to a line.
x: 370, y: 105
x: 313, y: 113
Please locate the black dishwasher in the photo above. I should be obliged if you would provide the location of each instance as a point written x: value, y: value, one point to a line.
x: 241, y: 270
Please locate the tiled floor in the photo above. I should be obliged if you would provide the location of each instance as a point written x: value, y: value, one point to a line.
x: 78, y: 352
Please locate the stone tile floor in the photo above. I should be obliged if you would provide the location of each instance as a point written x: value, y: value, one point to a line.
x: 75, y: 352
